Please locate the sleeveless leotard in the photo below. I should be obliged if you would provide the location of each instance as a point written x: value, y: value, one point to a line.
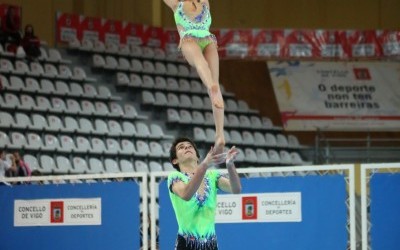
x: 196, y: 217
x: 194, y: 29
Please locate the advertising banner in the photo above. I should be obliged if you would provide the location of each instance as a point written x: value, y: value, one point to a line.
x: 112, y: 31
x: 259, y: 207
x: 90, y: 28
x: 57, y: 212
x: 331, y: 44
x: 360, y: 96
x: 363, y: 44
x: 154, y: 37
x: 172, y: 39
x: 70, y: 216
x: 389, y: 41
x: 67, y: 27
x: 239, y: 43
x: 300, y: 43
x: 267, y: 43
x: 234, y: 42
x: 132, y: 34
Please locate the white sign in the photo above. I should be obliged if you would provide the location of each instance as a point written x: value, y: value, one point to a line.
x: 261, y: 207
x: 229, y: 208
x: 134, y: 40
x: 90, y: 35
x: 280, y: 207
x: 60, y: 212
x: 112, y: 38
x: 268, y: 49
x: 68, y: 34
x: 337, y: 95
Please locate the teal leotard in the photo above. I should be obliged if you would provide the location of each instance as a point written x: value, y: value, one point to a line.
x: 196, y: 28
x: 196, y: 217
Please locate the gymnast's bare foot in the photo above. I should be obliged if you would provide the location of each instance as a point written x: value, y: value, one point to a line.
x: 216, y: 97
x: 219, y: 145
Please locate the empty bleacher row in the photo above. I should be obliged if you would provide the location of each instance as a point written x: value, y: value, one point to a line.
x: 52, y: 55
x: 82, y: 126
x: 49, y: 88
x: 47, y: 70
x: 62, y: 164
x: 201, y: 118
x: 123, y: 50
x: 85, y: 145
x: 258, y: 149
x: 67, y: 106
x: 84, y: 148
x: 170, y: 84
x: 191, y: 101
x: 146, y: 66
x: 248, y: 138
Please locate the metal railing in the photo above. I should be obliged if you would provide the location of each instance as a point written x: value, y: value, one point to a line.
x: 355, y: 150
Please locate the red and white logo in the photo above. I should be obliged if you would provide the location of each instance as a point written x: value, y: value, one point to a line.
x: 249, y: 207
x: 362, y: 74
x: 57, y: 212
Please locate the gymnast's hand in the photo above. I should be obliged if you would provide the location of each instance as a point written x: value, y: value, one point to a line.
x: 213, y: 159
x: 231, y: 156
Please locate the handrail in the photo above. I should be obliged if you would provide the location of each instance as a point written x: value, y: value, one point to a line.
x: 371, y: 147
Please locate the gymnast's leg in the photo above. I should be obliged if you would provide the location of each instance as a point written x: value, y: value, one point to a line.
x: 194, y: 55
x: 207, y: 66
x: 211, y: 55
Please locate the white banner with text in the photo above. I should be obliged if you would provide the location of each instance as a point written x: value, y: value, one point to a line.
x: 360, y: 96
x: 261, y: 207
x: 60, y: 212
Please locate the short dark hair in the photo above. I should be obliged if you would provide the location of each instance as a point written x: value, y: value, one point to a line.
x: 172, y: 151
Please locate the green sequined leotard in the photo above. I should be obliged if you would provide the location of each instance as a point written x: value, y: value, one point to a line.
x: 196, y: 28
x: 196, y: 217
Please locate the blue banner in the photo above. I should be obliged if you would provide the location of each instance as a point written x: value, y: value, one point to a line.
x: 120, y: 218
x: 384, y: 211
x: 323, y: 225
